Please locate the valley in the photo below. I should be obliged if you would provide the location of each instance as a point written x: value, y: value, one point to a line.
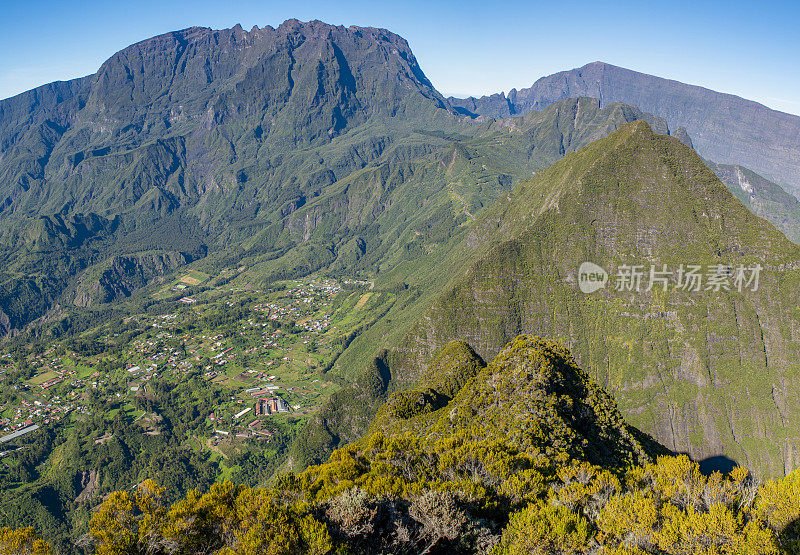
x: 284, y: 339
x: 230, y: 350
x: 270, y: 291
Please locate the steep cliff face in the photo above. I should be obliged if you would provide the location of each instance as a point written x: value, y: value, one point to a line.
x: 124, y: 275
x: 214, y: 97
x: 706, y: 372
x: 50, y: 106
x: 195, y: 139
x: 763, y: 197
x: 723, y: 127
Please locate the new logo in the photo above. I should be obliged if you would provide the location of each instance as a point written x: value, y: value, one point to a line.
x: 591, y: 277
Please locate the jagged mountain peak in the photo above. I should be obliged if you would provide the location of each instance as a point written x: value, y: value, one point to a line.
x: 179, y: 74
x: 519, y: 395
x: 223, y: 91
x: 160, y: 81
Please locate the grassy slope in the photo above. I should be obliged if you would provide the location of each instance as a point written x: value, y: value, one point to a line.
x: 708, y: 373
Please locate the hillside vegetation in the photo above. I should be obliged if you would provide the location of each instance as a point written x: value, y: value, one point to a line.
x: 529, y: 456
x: 705, y: 372
x: 269, y: 291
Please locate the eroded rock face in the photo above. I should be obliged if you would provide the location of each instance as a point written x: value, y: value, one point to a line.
x: 299, y: 84
x: 124, y: 275
x: 186, y: 135
x: 89, y: 483
x: 763, y: 197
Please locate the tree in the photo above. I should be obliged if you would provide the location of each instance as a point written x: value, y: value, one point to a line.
x: 542, y: 529
x: 777, y: 506
x: 22, y: 541
x: 128, y: 523
x: 629, y: 519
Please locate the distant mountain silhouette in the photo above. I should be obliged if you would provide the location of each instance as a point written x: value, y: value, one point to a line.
x: 724, y: 128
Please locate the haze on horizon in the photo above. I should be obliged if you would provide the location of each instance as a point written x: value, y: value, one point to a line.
x: 465, y: 48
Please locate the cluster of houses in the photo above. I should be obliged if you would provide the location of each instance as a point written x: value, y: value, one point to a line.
x: 359, y: 283
x: 263, y: 406
x: 56, y: 380
x: 141, y: 375
x: 304, y: 301
x: 269, y: 343
x: 38, y: 406
x: 165, y: 319
x: 317, y: 324
x: 250, y: 433
x: 169, y: 357
x: 152, y: 355
x: 30, y: 413
x: 5, y: 365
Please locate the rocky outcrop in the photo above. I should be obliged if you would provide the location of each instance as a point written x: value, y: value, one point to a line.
x: 90, y: 485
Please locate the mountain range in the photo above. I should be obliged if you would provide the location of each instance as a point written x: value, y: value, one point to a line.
x: 276, y: 153
x: 724, y: 128
x: 706, y: 372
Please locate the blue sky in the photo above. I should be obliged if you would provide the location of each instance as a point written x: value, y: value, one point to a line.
x: 747, y: 48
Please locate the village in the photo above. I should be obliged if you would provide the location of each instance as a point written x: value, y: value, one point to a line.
x: 267, y: 350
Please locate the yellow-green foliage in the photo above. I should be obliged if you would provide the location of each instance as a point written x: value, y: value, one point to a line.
x: 412, y: 402
x: 23, y: 541
x: 226, y: 520
x: 666, y: 507
x: 452, y: 368
x: 541, y: 529
x: 778, y: 507
x: 529, y: 456
x: 529, y: 407
x: 663, y: 507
